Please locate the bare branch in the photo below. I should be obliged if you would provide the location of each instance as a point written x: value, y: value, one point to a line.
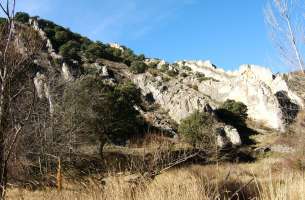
x: 286, y: 31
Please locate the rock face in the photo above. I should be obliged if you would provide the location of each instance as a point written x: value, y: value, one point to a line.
x: 43, y: 89
x: 176, y: 99
x: 66, y: 73
x: 253, y: 85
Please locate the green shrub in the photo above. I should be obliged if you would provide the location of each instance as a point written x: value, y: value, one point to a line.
x: 184, y: 67
x: 138, y: 67
x: 153, y: 71
x: 22, y: 17
x: 172, y: 73
x: 199, y: 75
x: 141, y: 57
x: 199, y: 130
x: 233, y: 113
x: 94, y: 51
x: 236, y: 107
x: 61, y: 37
x: 70, y: 51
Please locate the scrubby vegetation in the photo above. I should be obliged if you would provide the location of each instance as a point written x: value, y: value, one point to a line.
x: 62, y: 38
x: 199, y: 130
x: 172, y: 73
x: 138, y: 67
x: 135, y: 161
x: 70, y: 51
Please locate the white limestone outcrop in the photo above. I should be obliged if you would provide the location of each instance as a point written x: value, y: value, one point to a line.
x: 253, y: 85
x: 67, y: 76
x: 43, y: 90
x: 176, y: 99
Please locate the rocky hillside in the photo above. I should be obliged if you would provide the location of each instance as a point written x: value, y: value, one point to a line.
x: 172, y: 91
x: 200, y: 82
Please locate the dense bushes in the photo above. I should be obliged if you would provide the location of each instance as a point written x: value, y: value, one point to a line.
x: 70, y: 50
x: 97, y: 111
x: 94, y: 51
x: 22, y: 17
x: 138, y: 67
x: 198, y: 129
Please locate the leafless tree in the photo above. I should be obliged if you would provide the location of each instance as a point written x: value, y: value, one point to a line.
x: 18, y: 46
x: 286, y: 22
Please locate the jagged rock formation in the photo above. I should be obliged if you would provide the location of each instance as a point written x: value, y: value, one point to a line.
x: 253, y: 85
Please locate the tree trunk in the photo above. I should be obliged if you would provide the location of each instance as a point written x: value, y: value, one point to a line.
x: 3, y: 128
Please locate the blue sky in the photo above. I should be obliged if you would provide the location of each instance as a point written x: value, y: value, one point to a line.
x: 228, y: 32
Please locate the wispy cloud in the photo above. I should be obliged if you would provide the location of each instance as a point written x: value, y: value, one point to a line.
x: 135, y: 19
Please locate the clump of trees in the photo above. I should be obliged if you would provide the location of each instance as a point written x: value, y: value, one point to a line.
x: 92, y: 109
x: 22, y: 17
x: 70, y: 50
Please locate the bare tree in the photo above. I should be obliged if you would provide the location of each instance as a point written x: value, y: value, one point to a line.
x: 287, y: 24
x: 18, y: 46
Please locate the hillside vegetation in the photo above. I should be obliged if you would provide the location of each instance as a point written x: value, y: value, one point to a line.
x: 105, y: 123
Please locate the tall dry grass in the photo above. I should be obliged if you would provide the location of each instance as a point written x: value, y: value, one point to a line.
x: 232, y: 181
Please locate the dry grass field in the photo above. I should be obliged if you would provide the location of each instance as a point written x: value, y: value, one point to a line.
x: 266, y: 179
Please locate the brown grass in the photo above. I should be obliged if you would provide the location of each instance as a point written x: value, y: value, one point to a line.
x: 249, y: 181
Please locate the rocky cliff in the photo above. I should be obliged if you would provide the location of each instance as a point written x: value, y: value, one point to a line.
x: 202, y: 82
x: 185, y: 86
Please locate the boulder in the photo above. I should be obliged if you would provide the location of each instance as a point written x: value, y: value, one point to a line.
x: 233, y: 136
x: 227, y: 136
